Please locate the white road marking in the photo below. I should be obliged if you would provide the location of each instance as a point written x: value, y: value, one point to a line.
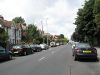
x: 42, y: 58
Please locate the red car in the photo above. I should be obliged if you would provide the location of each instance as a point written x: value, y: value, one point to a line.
x: 22, y: 50
x: 84, y: 50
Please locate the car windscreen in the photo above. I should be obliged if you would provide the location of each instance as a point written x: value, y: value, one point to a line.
x: 2, y: 50
x: 32, y: 45
x: 83, y: 45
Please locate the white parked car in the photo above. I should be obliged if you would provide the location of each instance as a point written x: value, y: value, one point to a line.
x: 57, y: 44
x: 52, y: 44
x: 44, y: 46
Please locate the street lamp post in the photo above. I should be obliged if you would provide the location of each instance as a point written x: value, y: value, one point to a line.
x: 47, y: 31
x: 42, y: 32
x: 15, y: 35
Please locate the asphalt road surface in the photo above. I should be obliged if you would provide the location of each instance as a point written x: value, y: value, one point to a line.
x: 54, y: 61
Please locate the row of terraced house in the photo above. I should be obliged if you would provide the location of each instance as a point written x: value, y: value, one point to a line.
x: 15, y: 31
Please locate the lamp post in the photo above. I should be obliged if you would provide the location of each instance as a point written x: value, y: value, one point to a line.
x: 47, y: 31
x: 15, y: 35
x: 42, y: 32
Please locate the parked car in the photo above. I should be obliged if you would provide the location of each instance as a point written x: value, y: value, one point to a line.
x: 52, y: 44
x: 22, y: 50
x: 5, y: 54
x: 74, y: 44
x: 36, y: 48
x: 26, y: 50
x: 44, y: 46
x: 57, y: 44
x: 84, y: 50
x: 17, y: 49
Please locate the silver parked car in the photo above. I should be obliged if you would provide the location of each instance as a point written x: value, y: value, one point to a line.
x: 44, y: 46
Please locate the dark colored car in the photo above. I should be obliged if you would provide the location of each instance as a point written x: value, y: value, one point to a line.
x: 22, y: 50
x: 17, y: 49
x: 27, y: 50
x: 36, y: 48
x: 5, y: 54
x: 84, y: 50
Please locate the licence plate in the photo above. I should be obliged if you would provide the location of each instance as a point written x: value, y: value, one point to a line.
x: 86, y: 51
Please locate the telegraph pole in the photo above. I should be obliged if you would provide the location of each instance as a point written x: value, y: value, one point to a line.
x: 47, y: 31
x: 42, y: 32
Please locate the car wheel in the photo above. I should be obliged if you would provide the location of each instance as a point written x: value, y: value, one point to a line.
x: 25, y: 53
x: 10, y: 57
x: 32, y: 51
x: 97, y: 59
x: 73, y: 54
x: 39, y: 50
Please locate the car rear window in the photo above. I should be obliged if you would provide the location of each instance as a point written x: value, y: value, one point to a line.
x: 83, y: 45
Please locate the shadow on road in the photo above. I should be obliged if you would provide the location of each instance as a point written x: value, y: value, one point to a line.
x: 89, y: 60
x: 3, y: 61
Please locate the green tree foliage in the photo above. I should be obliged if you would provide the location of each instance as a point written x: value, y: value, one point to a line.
x: 1, y: 21
x: 33, y: 34
x: 62, y: 39
x: 3, y: 37
x: 18, y: 20
x: 97, y: 19
x: 97, y: 12
x: 87, y: 22
x: 61, y: 36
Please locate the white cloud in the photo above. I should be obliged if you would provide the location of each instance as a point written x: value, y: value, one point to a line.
x: 60, y: 13
x: 61, y: 18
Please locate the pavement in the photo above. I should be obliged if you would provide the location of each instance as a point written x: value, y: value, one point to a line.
x: 54, y: 61
x: 98, y: 50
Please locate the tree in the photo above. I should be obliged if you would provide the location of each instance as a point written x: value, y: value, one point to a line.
x: 33, y: 34
x: 62, y: 39
x: 1, y: 21
x: 3, y: 37
x: 85, y: 25
x: 61, y: 36
x: 97, y: 20
x: 18, y: 20
x: 3, y: 34
x: 97, y: 12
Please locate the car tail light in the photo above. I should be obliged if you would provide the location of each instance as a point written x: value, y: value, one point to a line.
x: 94, y: 50
x: 77, y: 50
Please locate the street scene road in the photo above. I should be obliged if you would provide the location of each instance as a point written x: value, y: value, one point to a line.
x: 49, y: 37
x: 54, y: 61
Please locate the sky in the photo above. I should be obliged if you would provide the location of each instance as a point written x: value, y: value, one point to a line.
x: 56, y: 16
